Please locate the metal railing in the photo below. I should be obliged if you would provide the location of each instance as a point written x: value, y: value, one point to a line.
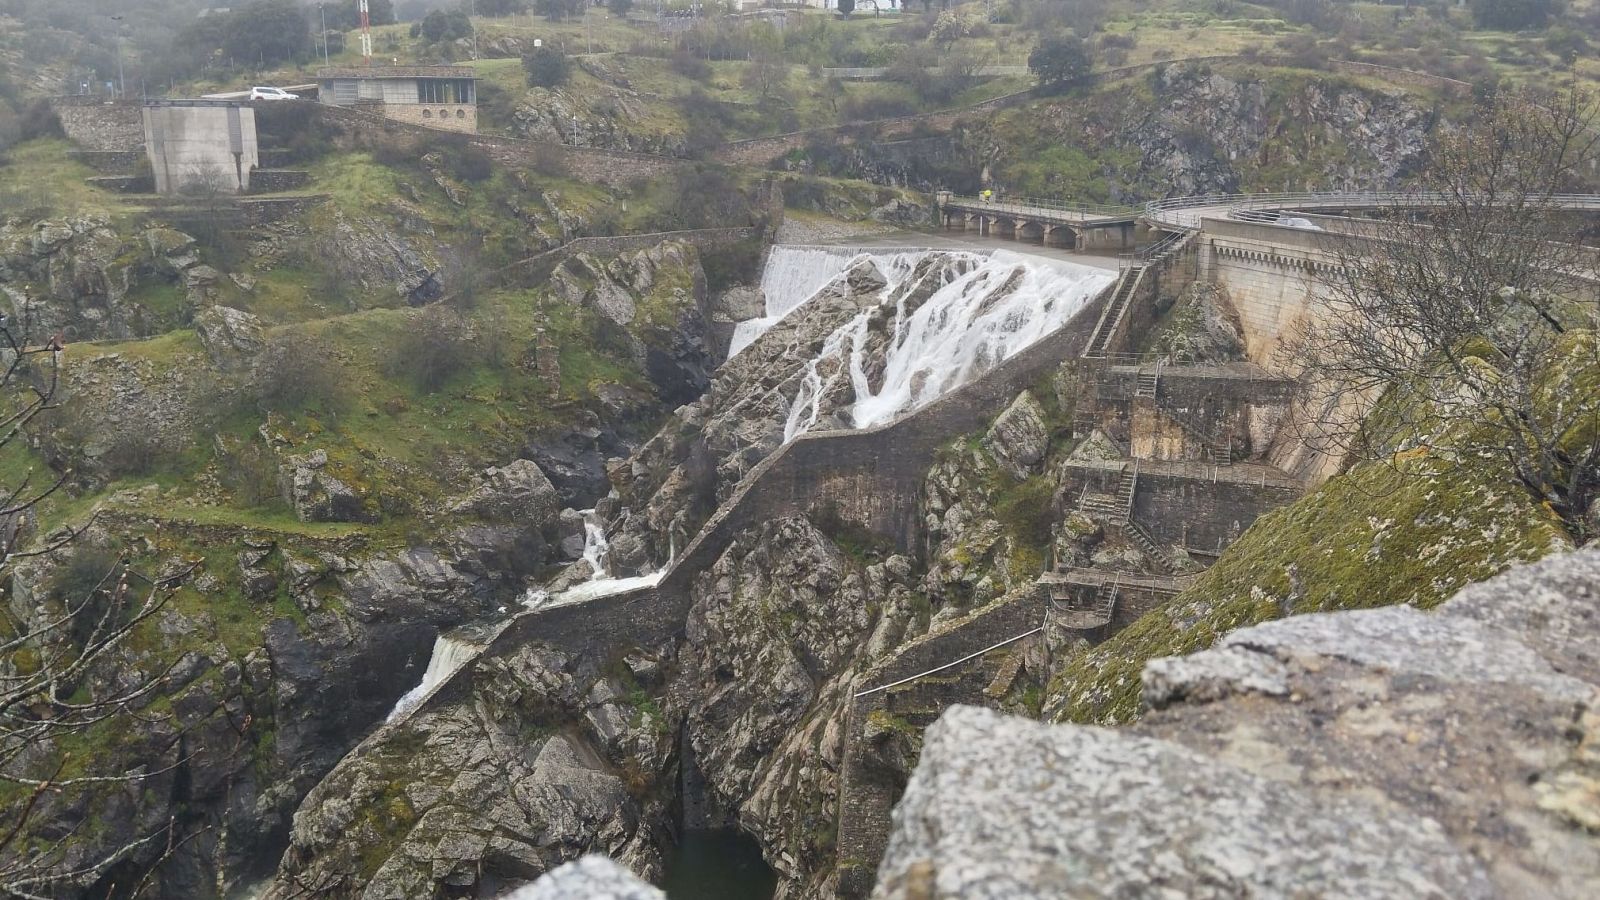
x: 949, y: 665
x: 1179, y: 211
x: 1024, y: 204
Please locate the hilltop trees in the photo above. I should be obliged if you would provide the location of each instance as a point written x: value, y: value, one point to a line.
x: 1060, y: 59
x: 1514, y: 15
x: 501, y: 8
x: 1458, y: 314
x: 264, y: 33
x: 441, y: 25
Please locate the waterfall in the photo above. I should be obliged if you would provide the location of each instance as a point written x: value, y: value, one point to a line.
x: 600, y: 583
x: 793, y: 275
x: 595, y: 545
x: 449, y: 654
x: 1000, y: 305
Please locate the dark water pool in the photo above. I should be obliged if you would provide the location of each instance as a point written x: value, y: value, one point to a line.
x: 718, y: 864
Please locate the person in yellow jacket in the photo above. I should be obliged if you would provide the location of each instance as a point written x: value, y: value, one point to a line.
x: 987, y: 195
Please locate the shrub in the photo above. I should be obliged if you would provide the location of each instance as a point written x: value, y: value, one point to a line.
x: 690, y: 66
x: 432, y: 352
x: 547, y: 67
x: 250, y: 474
x: 295, y: 372
x: 548, y: 160
x: 1060, y: 60
x: 468, y: 162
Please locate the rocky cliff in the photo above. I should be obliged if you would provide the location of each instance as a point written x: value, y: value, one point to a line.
x: 1324, y: 754
x: 312, y: 572
x: 1183, y: 129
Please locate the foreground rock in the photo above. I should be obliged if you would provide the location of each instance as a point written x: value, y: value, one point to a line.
x: 589, y: 878
x: 1380, y: 753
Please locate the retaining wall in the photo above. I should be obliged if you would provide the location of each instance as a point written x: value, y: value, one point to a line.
x: 110, y: 162
x: 101, y: 125
x: 867, y: 795
x: 609, y: 167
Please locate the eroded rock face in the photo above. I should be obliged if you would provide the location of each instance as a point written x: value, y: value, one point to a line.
x: 230, y: 336
x: 1377, y: 753
x: 545, y: 761
x: 1019, y: 438
x: 782, y: 627
x: 315, y: 494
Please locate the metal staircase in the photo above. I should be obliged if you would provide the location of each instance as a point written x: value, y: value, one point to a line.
x: 1148, y: 382
x: 1105, y: 330
x: 1080, y: 611
x: 1153, y: 551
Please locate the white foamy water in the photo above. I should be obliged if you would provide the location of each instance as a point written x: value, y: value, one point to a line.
x: 600, y: 584
x: 449, y: 654
x: 1003, y: 303
x: 595, y: 545
x: 794, y: 275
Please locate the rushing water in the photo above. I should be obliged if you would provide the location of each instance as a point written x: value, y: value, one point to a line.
x: 718, y: 864
x: 449, y: 654
x: 999, y: 305
x: 601, y: 583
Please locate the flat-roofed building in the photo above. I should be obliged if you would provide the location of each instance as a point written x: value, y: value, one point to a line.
x: 438, y: 96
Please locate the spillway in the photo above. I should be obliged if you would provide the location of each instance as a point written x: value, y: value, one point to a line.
x: 988, y: 308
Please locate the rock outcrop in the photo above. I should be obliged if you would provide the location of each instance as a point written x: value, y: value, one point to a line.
x: 1375, y: 753
x: 589, y: 878
x: 556, y: 754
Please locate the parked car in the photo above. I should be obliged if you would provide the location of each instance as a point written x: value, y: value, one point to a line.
x: 271, y: 93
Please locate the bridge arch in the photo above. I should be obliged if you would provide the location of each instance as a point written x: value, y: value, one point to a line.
x: 1030, y: 231
x: 1062, y: 236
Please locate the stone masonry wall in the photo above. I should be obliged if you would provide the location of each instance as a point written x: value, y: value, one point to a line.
x: 867, y: 796
x: 98, y: 124
x: 608, y: 167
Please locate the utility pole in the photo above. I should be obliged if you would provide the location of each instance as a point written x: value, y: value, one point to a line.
x: 323, y: 8
x: 366, y: 33
x: 122, y: 83
x: 574, y: 131
x: 472, y: 13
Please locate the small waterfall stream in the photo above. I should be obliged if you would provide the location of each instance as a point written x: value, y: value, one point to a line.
x: 449, y: 654
x: 600, y: 584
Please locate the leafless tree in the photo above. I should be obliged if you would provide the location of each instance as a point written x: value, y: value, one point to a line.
x: 51, y: 650
x: 1464, y: 316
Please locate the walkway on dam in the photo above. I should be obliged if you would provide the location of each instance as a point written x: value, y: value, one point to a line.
x: 1180, y: 213
x: 1052, y: 212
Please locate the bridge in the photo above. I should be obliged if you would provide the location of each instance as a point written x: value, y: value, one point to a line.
x: 1093, y: 226
x: 1052, y: 223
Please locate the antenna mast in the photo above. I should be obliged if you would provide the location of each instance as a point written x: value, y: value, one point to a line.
x: 366, y: 34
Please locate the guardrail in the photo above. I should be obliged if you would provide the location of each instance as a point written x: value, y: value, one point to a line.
x: 1180, y: 211
x: 1021, y: 204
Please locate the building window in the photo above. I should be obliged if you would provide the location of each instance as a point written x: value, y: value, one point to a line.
x: 444, y: 90
x: 461, y: 114
x: 427, y: 113
x: 444, y: 113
